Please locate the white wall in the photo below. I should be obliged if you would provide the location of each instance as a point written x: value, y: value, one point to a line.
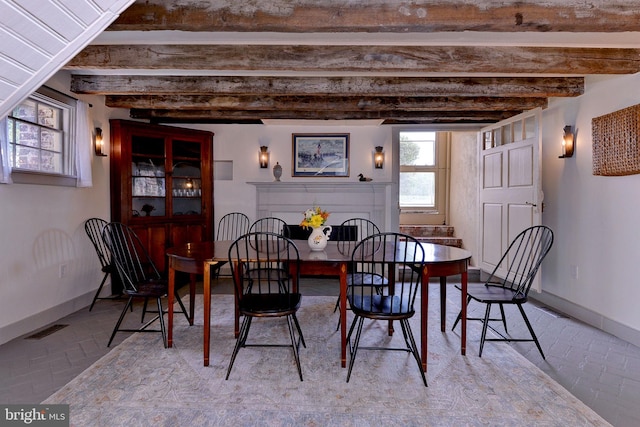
x: 463, y: 205
x: 595, y: 218
x: 42, y: 228
x: 240, y: 144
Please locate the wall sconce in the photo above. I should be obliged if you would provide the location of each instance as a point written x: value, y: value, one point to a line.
x: 99, y: 144
x: 567, y: 142
x: 263, y: 157
x: 378, y: 158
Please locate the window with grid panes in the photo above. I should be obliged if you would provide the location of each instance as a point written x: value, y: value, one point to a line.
x: 38, y: 131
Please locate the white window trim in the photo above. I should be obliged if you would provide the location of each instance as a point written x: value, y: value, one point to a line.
x: 22, y: 176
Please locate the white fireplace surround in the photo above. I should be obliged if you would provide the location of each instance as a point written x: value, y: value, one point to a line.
x: 343, y: 200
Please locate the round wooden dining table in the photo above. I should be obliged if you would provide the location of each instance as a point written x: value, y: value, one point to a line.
x: 440, y: 261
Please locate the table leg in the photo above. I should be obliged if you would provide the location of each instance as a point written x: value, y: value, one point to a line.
x: 424, y: 314
x: 463, y: 312
x: 170, y: 295
x: 343, y: 314
x: 443, y: 302
x: 207, y: 311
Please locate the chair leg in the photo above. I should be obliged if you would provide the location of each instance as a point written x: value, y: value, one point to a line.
x: 117, y: 327
x: 460, y: 314
x: 337, y: 304
x: 294, y: 345
x: 406, y: 330
x: 182, y: 307
x: 485, y: 324
x: 295, y: 319
x: 533, y: 335
x: 354, y: 349
x: 242, y: 336
x: 504, y: 319
x: 144, y: 309
x: 162, y: 326
x: 95, y: 297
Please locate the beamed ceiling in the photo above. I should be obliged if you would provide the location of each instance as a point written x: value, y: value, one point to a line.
x: 413, y: 62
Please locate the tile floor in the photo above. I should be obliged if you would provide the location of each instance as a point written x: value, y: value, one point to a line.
x: 599, y: 369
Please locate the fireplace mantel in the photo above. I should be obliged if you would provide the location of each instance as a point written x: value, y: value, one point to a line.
x: 344, y: 200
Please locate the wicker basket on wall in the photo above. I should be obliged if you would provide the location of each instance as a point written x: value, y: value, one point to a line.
x: 616, y: 145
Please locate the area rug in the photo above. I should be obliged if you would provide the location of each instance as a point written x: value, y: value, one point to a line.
x: 140, y: 383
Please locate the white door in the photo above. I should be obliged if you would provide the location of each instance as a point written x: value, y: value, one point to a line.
x: 510, y: 188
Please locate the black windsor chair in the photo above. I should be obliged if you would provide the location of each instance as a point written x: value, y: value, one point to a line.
x: 269, y: 290
x: 93, y: 227
x: 386, y: 254
x: 139, y: 276
x: 510, y: 282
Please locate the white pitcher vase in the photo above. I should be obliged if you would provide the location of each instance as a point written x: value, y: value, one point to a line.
x: 319, y: 237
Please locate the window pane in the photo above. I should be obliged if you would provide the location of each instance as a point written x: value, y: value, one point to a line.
x: 517, y: 131
x: 51, y: 140
x: 51, y: 162
x: 417, y: 189
x: 418, y: 148
x: 49, y: 116
x: 530, y: 127
x: 27, y: 134
x: 506, y: 134
x: 26, y: 111
x: 27, y: 158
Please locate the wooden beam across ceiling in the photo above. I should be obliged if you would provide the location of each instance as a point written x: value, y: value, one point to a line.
x: 534, y: 87
x: 323, y: 103
x: 375, y: 16
x: 397, y: 116
x: 348, y: 59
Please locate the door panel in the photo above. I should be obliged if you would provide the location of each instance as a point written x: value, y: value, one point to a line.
x: 492, y: 230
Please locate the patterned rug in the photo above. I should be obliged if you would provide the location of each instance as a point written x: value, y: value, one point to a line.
x: 140, y: 383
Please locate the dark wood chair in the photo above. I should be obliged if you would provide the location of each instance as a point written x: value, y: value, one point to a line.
x: 510, y: 282
x: 353, y: 231
x: 140, y: 277
x: 268, y: 290
x: 269, y: 225
x: 230, y: 227
x: 385, y: 253
x: 93, y: 227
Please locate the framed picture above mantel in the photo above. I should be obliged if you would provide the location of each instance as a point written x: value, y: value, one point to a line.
x: 320, y: 155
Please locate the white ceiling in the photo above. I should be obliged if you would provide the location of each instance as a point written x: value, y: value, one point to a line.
x: 39, y: 37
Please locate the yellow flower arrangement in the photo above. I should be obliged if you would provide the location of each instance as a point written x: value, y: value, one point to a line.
x: 314, y: 217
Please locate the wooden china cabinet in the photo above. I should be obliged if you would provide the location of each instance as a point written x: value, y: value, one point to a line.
x: 162, y: 184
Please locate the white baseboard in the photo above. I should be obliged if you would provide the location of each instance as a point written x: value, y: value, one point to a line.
x: 588, y: 316
x: 44, y: 318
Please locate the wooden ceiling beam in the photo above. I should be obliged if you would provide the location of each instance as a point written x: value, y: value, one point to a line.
x: 320, y: 103
x: 342, y: 86
x: 379, y: 16
x: 363, y: 59
x: 244, y: 115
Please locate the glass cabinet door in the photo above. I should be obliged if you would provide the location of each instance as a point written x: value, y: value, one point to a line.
x: 148, y: 178
x: 186, y: 182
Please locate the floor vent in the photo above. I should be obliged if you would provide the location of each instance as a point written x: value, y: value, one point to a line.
x: 553, y: 313
x: 46, y: 332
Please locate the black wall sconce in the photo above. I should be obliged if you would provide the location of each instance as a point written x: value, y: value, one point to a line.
x: 378, y: 158
x: 263, y: 157
x: 99, y: 143
x: 567, y: 142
